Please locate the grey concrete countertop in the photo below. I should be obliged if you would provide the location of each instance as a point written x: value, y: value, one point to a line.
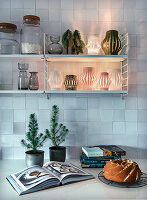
x: 87, y: 190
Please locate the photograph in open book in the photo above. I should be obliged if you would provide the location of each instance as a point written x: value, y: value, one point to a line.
x: 30, y: 178
x: 32, y: 175
x: 65, y: 168
x: 67, y: 172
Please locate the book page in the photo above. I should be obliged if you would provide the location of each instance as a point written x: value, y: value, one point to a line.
x: 31, y: 177
x: 63, y: 170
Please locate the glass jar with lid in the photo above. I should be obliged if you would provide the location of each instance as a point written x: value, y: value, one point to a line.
x: 31, y: 35
x: 8, y: 43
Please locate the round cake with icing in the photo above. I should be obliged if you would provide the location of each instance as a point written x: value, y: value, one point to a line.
x: 122, y: 171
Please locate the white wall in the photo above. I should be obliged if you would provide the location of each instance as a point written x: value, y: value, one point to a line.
x: 91, y: 119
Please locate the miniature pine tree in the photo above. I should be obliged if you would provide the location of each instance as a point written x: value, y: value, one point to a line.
x: 57, y: 132
x: 78, y: 43
x: 33, y: 139
x: 67, y: 40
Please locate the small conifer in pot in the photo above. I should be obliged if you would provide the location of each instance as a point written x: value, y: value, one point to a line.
x: 56, y: 134
x: 78, y: 44
x: 73, y: 40
x: 67, y: 40
x: 33, y: 141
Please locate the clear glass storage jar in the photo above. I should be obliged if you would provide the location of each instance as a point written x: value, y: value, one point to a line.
x: 8, y: 44
x: 31, y: 35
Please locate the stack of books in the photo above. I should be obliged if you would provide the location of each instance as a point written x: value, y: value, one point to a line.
x: 96, y: 156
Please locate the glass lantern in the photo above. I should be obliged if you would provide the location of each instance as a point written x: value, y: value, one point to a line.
x: 31, y: 35
x: 70, y: 82
x: 88, y: 78
x: 116, y: 79
x: 93, y: 45
x: 55, y: 80
x: 104, y: 81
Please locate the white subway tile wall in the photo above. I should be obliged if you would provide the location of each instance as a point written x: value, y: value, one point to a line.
x: 91, y: 119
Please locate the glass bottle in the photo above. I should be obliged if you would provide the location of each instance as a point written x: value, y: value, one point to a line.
x: 31, y: 35
x: 55, y: 47
x: 8, y: 43
x: 23, y: 77
x: 33, y: 81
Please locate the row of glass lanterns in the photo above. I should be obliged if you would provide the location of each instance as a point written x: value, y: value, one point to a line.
x: 88, y: 79
x: 31, y: 37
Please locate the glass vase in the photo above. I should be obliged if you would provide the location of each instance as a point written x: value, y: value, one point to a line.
x: 23, y: 77
x: 55, y: 47
x: 33, y: 81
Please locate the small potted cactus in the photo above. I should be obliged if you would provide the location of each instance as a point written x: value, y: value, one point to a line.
x: 32, y: 142
x: 56, y: 134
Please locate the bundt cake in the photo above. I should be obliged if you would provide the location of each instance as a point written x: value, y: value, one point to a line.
x: 122, y: 170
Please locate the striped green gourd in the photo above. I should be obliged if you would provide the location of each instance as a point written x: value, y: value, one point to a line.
x: 111, y: 44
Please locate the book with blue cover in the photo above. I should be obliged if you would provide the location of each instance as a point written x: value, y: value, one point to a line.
x: 97, y: 159
x: 83, y: 165
x: 95, y: 162
x: 93, y: 151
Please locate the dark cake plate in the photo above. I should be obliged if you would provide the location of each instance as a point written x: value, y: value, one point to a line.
x: 142, y: 182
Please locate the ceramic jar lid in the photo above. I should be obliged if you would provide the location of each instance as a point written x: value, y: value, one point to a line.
x: 31, y: 19
x: 7, y: 27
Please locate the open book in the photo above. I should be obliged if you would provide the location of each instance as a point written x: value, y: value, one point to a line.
x: 50, y: 175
